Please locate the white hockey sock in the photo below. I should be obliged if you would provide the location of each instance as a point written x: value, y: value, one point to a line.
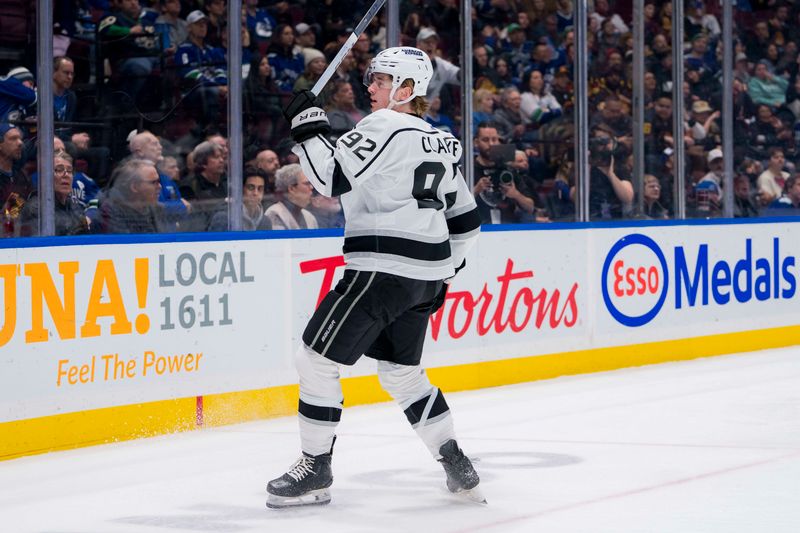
x: 321, y: 399
x: 422, y: 403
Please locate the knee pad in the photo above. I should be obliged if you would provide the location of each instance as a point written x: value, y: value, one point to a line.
x: 406, y: 384
x: 319, y: 379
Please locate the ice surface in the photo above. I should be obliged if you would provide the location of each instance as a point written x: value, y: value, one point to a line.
x: 711, y: 445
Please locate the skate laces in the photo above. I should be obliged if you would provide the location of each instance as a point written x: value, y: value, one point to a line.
x: 303, y: 467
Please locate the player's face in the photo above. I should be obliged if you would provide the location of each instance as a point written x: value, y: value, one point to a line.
x: 379, y: 89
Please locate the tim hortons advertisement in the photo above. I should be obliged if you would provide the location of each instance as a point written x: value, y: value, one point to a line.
x: 521, y: 294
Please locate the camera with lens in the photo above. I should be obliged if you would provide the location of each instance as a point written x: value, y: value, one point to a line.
x: 502, y: 155
x: 501, y: 176
x: 602, y: 148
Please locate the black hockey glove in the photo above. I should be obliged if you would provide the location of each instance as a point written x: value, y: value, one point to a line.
x: 305, y: 117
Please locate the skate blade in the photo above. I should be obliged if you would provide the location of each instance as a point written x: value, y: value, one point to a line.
x: 314, y: 497
x: 474, y: 495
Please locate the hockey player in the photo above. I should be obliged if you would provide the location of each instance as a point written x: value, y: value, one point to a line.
x: 410, y: 220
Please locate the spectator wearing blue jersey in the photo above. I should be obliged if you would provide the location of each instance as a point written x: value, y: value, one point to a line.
x: 439, y: 120
x: 17, y: 95
x: 789, y: 203
x: 287, y: 65
x: 202, y: 69
x: 64, y: 99
x: 259, y: 23
x: 516, y: 48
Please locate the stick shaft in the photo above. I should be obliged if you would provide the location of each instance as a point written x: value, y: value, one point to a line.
x: 347, y: 46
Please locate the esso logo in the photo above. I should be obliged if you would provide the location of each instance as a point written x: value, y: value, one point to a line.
x: 634, y: 280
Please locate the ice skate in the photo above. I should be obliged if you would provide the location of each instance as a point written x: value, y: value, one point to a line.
x: 306, y: 483
x: 462, y: 479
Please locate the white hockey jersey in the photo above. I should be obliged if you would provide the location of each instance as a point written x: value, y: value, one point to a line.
x: 407, y: 208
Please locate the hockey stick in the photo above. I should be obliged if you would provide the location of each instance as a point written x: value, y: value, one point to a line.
x: 348, y: 44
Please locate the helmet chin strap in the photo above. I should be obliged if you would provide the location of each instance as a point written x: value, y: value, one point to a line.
x: 393, y: 102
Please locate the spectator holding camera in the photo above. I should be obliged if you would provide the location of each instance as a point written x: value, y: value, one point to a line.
x: 501, y: 194
x: 610, y: 196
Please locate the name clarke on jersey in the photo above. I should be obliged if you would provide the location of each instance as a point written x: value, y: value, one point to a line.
x: 438, y: 145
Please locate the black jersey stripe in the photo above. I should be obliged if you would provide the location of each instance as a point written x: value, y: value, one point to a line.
x: 315, y: 412
x: 311, y: 162
x: 423, y: 251
x: 464, y: 223
x: 340, y: 184
x: 392, y: 136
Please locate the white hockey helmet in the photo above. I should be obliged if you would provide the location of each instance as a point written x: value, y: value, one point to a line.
x: 402, y: 63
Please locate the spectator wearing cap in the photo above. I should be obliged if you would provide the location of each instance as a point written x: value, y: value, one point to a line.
x: 315, y: 65
x: 15, y: 187
x: 201, y: 68
x: 444, y: 72
x: 765, y: 87
x: 305, y: 39
x: 130, y: 44
x: 287, y: 65
x: 561, y: 88
x: 708, y: 190
x: 770, y: 182
x: 516, y: 48
x: 259, y: 23
x: 702, y: 123
x: 64, y: 99
x: 743, y: 204
x: 741, y: 67
x: 170, y: 26
x: 17, y: 95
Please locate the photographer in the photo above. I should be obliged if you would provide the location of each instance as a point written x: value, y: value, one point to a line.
x: 501, y: 194
x: 610, y: 196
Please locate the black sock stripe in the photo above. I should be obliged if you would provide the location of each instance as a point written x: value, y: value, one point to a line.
x: 323, y: 414
x: 415, y: 410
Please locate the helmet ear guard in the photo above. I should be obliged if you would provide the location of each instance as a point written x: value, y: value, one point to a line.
x: 402, y: 63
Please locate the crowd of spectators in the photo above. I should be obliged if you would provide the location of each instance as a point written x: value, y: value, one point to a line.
x: 140, y: 103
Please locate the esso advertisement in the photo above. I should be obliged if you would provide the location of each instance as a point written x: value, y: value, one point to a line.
x: 635, y: 280
x: 718, y: 273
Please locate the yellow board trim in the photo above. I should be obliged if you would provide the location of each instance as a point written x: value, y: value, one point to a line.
x: 113, y: 424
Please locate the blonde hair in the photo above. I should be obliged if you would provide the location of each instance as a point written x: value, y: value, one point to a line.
x: 419, y: 105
